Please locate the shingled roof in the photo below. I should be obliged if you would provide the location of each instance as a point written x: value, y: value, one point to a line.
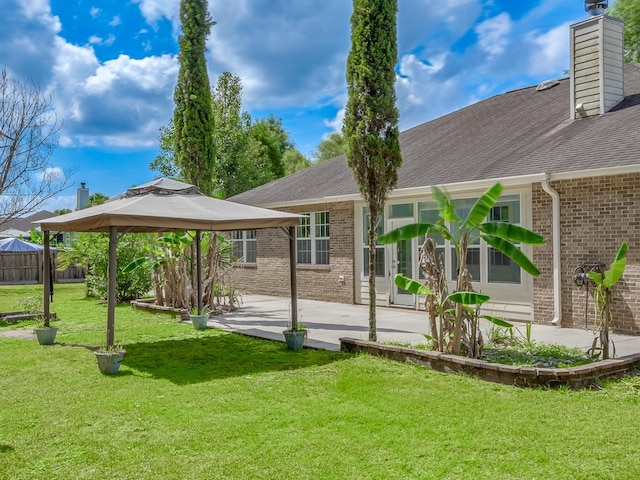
x: 519, y: 133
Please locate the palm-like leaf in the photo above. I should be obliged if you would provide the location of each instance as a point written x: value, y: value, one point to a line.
x: 616, y: 269
x: 411, y: 231
x: 468, y: 298
x: 445, y: 205
x: 513, y: 252
x: 596, y: 277
x: 497, y: 321
x: 412, y: 286
x: 622, y: 251
x: 513, y: 233
x: 483, y: 205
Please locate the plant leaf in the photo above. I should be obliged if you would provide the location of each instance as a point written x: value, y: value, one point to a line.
x: 596, y: 277
x: 616, y: 269
x: 513, y: 252
x: 445, y: 205
x: 411, y: 231
x: 468, y: 298
x: 483, y: 205
x: 497, y: 321
x: 134, y: 264
x: 622, y: 251
x: 513, y: 233
x: 411, y: 285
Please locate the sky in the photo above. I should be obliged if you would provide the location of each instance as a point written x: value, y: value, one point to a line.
x: 110, y: 67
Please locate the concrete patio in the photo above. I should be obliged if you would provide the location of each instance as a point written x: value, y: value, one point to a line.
x: 266, y: 316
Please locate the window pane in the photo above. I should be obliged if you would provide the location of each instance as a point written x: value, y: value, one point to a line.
x: 237, y: 235
x: 322, y: 224
x: 379, y: 262
x: 502, y: 269
x: 506, y: 210
x: 473, y: 264
x: 304, y: 227
x: 304, y: 251
x: 365, y: 226
x: 322, y: 252
x: 428, y: 213
x: 403, y: 210
x: 463, y: 207
x: 237, y: 249
x: 251, y: 234
x: 252, y: 251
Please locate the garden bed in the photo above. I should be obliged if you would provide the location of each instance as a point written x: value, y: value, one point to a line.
x: 583, y: 376
x: 15, y: 317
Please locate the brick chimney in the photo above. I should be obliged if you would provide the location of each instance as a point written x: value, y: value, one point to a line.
x: 596, y: 63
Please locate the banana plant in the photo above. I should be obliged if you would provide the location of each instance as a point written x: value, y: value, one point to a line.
x: 466, y: 299
x: 462, y: 233
x: 603, y: 296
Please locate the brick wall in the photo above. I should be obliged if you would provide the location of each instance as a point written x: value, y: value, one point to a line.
x: 270, y: 275
x: 597, y: 214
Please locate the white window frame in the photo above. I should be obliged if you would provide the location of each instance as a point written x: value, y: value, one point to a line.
x: 313, y: 238
x: 245, y: 238
x: 482, y: 248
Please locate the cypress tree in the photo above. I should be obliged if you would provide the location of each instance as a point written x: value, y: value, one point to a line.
x: 194, y: 148
x: 371, y: 116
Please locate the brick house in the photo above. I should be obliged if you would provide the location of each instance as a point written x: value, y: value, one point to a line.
x: 566, y: 152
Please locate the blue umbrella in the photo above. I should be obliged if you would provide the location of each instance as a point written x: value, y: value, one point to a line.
x: 17, y: 245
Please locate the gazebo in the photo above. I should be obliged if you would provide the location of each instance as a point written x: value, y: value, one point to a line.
x: 165, y: 205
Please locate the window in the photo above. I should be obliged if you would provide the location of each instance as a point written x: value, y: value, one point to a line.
x: 485, y: 264
x: 403, y: 210
x: 501, y: 268
x: 245, y: 245
x: 379, y: 257
x: 428, y: 213
x: 313, y: 239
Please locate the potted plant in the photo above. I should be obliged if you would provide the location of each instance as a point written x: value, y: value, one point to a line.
x: 199, y: 320
x: 45, y: 333
x: 295, y: 335
x: 109, y: 358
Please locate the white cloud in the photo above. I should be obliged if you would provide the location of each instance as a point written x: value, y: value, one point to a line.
x: 552, y: 51
x: 337, y: 122
x: 51, y: 174
x: 60, y: 202
x: 493, y: 34
x: 94, y: 12
x: 115, y: 21
x: 155, y: 10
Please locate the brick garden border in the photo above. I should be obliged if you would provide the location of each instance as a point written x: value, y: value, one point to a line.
x: 583, y: 376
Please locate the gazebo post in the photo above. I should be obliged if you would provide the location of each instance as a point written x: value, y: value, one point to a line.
x: 111, y: 295
x: 294, y: 283
x: 199, y: 270
x: 47, y: 279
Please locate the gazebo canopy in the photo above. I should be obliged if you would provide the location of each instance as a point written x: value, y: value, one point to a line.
x: 167, y: 205
x: 160, y: 206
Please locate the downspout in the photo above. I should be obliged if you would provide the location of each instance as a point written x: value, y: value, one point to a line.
x: 555, y: 226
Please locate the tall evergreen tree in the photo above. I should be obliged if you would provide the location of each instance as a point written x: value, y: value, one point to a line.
x: 371, y: 116
x: 193, y: 116
x: 232, y: 140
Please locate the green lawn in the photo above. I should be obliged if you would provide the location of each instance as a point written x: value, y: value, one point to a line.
x: 208, y: 405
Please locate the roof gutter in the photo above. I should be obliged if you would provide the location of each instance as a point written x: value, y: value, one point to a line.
x: 555, y: 222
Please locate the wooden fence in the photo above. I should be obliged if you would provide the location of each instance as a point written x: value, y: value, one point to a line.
x: 28, y: 267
